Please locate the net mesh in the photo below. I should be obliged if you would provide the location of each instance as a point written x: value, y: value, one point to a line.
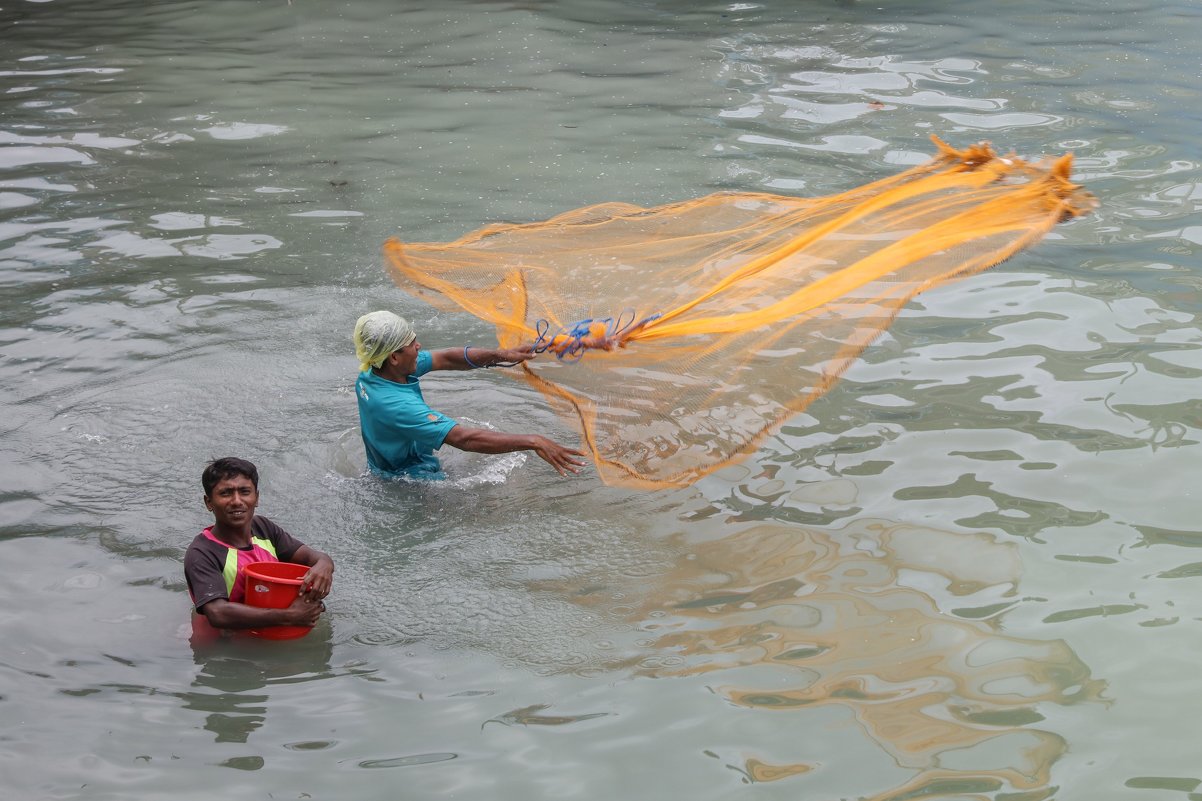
x: 686, y: 333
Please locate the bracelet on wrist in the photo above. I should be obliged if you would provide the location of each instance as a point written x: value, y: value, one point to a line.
x: 471, y: 363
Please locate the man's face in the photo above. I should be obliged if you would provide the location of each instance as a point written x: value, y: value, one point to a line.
x: 233, y: 501
x: 407, y: 357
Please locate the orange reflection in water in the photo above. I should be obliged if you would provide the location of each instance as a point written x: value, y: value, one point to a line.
x: 889, y: 621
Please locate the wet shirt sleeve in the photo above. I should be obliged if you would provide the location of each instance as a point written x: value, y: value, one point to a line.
x: 203, y: 573
x: 285, y: 544
x: 425, y: 363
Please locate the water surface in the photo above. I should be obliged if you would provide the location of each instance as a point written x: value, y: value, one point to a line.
x: 970, y: 571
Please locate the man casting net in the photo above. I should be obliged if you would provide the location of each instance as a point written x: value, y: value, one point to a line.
x: 686, y: 333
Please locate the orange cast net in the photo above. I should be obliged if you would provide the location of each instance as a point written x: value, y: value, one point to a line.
x: 683, y: 334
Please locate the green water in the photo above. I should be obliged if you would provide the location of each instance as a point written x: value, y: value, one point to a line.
x: 970, y: 571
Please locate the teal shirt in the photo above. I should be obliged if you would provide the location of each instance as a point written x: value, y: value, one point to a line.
x: 400, y: 432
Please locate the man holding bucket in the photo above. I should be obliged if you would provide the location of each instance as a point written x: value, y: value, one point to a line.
x: 216, y: 561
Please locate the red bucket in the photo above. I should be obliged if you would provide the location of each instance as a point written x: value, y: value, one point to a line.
x: 274, y: 585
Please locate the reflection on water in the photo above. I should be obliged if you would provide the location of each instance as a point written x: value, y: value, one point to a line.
x: 234, y: 674
x: 532, y: 716
x: 900, y: 625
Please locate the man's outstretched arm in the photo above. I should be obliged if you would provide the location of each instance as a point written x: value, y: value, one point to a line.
x: 481, y: 440
x: 470, y: 358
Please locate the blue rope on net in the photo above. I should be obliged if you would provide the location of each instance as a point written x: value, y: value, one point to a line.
x: 569, y: 342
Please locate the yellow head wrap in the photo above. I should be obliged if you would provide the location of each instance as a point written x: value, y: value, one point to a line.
x: 378, y: 334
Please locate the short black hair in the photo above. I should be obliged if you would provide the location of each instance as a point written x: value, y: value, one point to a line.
x: 227, y: 467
